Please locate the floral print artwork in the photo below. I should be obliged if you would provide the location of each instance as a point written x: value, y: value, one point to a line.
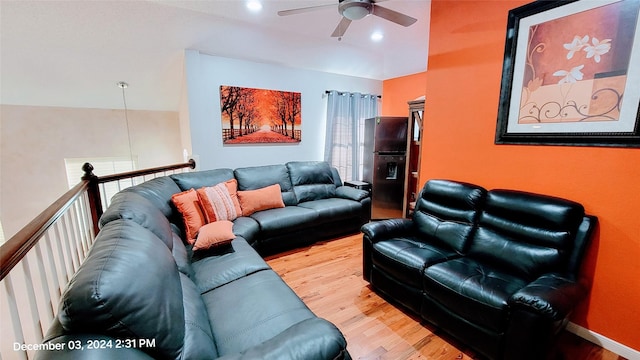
x: 576, y: 66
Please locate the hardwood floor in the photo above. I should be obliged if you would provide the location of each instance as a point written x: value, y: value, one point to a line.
x: 328, y: 277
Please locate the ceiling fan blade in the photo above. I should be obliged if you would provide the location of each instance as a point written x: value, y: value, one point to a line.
x: 304, y: 9
x: 393, y: 16
x: 342, y: 27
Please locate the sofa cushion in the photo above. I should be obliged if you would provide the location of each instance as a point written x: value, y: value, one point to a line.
x: 268, y: 197
x: 198, y: 338
x: 524, y: 233
x: 214, y: 271
x: 214, y: 235
x: 127, y: 287
x: 330, y: 210
x: 220, y: 201
x: 158, y: 191
x: 311, y: 180
x: 256, y: 177
x: 251, y: 310
x: 132, y: 206
x: 473, y: 290
x: 405, y: 258
x: 188, y: 205
x: 284, y: 220
x: 445, y: 212
x: 198, y: 179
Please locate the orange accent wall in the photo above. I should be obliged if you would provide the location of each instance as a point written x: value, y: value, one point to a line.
x: 398, y: 91
x: 462, y: 90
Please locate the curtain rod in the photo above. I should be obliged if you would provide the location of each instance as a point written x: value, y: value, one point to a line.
x: 342, y: 93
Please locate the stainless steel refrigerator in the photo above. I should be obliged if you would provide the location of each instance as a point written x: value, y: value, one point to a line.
x: 385, y: 145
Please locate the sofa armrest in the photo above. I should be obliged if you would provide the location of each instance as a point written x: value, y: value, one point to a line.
x: 92, y: 347
x: 551, y: 295
x: 314, y: 338
x: 384, y: 229
x: 351, y: 193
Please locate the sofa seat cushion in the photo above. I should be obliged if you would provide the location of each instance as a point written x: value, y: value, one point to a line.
x: 251, y: 310
x: 330, y: 210
x: 198, y: 339
x: 287, y: 219
x: 405, y: 258
x: 473, y: 290
x: 239, y: 260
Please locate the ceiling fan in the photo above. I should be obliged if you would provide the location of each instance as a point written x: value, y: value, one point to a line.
x: 356, y: 10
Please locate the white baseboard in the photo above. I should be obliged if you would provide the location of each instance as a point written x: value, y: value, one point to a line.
x: 604, y: 342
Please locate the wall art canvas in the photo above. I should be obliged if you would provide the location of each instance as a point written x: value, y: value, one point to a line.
x: 568, y: 77
x: 252, y: 116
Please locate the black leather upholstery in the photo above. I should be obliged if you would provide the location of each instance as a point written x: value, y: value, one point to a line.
x: 129, y: 205
x: 140, y: 281
x: 198, y: 179
x: 128, y: 287
x: 256, y: 177
x: 498, y: 269
x: 311, y: 180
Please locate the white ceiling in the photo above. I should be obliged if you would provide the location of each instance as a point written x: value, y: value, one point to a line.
x: 72, y: 53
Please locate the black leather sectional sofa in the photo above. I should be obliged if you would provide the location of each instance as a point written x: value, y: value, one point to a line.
x: 141, y: 293
x: 499, y: 269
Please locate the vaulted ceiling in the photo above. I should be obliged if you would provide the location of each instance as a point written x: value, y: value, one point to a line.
x: 72, y: 53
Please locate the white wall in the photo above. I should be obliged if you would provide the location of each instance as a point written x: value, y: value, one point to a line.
x: 204, y: 76
x: 35, y: 140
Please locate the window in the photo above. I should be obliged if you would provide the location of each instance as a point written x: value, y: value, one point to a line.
x: 101, y: 167
x: 344, y: 142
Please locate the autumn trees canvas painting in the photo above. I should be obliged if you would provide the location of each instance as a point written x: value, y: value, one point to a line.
x: 252, y: 116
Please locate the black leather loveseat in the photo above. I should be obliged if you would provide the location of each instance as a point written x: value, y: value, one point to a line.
x: 499, y: 269
x: 141, y: 293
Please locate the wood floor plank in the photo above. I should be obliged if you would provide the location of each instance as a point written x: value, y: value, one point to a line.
x: 328, y: 278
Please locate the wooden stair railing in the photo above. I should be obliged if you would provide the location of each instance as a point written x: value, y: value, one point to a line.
x: 39, y: 260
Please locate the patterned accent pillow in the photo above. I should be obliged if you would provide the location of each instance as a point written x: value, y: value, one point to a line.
x: 220, y: 202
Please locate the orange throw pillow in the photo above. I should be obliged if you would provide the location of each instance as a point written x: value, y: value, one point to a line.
x: 213, y: 235
x: 265, y: 198
x: 220, y: 202
x: 188, y: 206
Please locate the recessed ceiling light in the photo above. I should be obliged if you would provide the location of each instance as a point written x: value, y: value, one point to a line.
x: 377, y: 36
x: 254, y: 5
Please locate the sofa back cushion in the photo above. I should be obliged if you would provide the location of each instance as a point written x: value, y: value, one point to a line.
x: 257, y: 177
x: 127, y: 287
x: 198, y: 179
x: 312, y: 180
x: 132, y: 206
x: 525, y: 233
x: 158, y: 191
x: 446, y: 210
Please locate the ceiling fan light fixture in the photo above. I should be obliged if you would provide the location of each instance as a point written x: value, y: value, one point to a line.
x: 355, y: 10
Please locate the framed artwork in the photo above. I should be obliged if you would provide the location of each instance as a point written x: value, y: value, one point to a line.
x: 571, y: 74
x: 259, y: 116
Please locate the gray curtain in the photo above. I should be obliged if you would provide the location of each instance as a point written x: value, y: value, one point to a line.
x: 344, y: 142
